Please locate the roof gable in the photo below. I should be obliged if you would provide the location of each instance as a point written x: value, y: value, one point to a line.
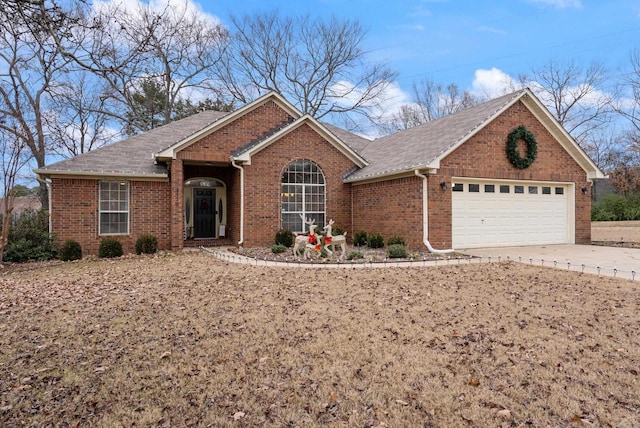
x: 171, y: 151
x: 424, y: 146
x: 133, y: 157
x: 244, y: 155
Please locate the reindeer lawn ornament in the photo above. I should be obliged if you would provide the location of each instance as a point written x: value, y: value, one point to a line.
x: 310, y: 242
x: 332, y: 241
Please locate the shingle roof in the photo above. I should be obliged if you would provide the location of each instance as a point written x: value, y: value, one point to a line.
x: 416, y: 148
x: 135, y: 154
x: 419, y: 146
x: 356, y: 142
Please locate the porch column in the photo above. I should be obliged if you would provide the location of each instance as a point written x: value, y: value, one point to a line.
x: 177, y: 202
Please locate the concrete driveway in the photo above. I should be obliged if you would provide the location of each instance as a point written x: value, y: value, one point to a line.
x: 609, y: 261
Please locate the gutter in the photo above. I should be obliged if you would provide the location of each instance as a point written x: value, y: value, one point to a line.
x: 233, y: 162
x: 425, y: 217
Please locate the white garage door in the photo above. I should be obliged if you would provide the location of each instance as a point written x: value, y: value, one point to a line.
x: 501, y: 213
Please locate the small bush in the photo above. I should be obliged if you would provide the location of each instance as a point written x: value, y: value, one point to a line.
x: 23, y: 250
x: 146, y: 244
x: 109, y: 248
x: 396, y: 251
x: 278, y: 248
x: 355, y: 255
x: 616, y: 207
x: 284, y: 237
x: 360, y: 238
x: 337, y: 230
x: 375, y: 240
x: 395, y: 240
x: 29, y: 239
x: 70, y: 250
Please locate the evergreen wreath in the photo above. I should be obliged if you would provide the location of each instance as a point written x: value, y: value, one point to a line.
x: 521, y: 133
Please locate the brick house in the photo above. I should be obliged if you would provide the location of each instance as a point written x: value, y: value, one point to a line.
x: 237, y: 178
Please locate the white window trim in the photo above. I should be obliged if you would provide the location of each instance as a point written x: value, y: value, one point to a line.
x: 127, y: 211
x: 301, y: 186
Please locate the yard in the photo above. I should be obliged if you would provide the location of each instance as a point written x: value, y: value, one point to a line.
x: 186, y: 340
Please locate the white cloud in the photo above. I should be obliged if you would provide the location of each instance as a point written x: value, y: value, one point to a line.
x: 492, y: 83
x: 134, y: 7
x: 560, y: 4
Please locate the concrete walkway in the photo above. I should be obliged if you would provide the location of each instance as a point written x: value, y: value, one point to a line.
x: 609, y: 261
x: 606, y: 261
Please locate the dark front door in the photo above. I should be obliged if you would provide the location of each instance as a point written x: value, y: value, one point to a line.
x: 204, y: 213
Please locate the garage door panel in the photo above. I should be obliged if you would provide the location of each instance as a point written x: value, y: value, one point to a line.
x: 533, y: 217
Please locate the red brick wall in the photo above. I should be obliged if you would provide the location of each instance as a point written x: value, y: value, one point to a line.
x: 217, y: 147
x: 484, y: 155
x: 264, y: 175
x: 395, y: 207
x: 74, y: 213
x: 392, y: 207
x: 176, y: 204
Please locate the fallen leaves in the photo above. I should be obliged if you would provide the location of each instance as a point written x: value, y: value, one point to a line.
x: 136, y: 342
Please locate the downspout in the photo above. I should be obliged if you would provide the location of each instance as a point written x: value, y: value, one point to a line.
x: 425, y: 217
x: 233, y: 162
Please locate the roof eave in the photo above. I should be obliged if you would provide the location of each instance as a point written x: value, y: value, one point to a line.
x: 100, y: 174
x: 430, y: 168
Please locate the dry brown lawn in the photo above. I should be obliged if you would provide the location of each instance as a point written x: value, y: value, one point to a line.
x: 186, y: 340
x: 616, y: 231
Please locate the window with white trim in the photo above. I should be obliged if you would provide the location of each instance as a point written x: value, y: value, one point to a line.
x: 302, y: 193
x: 114, y: 208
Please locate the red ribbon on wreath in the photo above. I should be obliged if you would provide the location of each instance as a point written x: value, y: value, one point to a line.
x: 327, y: 240
x: 312, y: 239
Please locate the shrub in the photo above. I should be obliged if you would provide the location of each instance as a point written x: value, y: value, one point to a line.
x: 146, y: 244
x: 395, y: 239
x: 29, y: 239
x: 284, y: 237
x: 355, y: 255
x: 337, y: 230
x: 278, y: 248
x: 396, y: 251
x: 70, y: 250
x: 616, y: 207
x: 375, y: 240
x: 109, y: 248
x: 360, y: 238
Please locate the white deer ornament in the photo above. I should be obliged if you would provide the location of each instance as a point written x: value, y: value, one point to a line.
x: 332, y: 241
x: 308, y: 242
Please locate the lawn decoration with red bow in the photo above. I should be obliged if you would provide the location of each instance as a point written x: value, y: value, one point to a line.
x: 332, y: 241
x: 310, y: 242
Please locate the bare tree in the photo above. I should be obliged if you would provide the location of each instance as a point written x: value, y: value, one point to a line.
x: 609, y: 149
x: 30, y: 65
x: 77, y: 120
x: 319, y: 65
x: 11, y: 161
x: 430, y: 101
x: 175, y: 47
x: 574, y: 95
x: 629, y: 107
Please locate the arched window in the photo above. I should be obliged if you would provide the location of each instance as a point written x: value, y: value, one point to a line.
x: 303, y: 193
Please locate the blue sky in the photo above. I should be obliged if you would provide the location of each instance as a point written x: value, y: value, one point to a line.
x: 452, y: 41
